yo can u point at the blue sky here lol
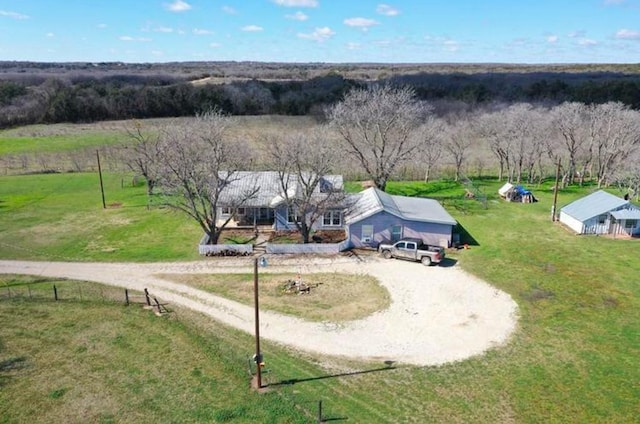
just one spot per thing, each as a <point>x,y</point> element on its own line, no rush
<point>416,31</point>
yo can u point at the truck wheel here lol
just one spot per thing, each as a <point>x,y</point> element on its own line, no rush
<point>426,261</point>
<point>386,254</point>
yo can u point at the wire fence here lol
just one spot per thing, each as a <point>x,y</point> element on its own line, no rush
<point>66,291</point>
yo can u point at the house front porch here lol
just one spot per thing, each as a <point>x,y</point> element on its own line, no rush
<point>256,218</point>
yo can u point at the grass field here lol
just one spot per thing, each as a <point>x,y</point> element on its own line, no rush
<point>332,297</point>
<point>572,359</point>
<point>103,362</point>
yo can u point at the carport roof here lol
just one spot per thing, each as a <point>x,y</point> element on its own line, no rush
<point>626,214</point>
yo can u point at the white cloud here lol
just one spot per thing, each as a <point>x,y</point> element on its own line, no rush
<point>298,16</point>
<point>385,9</point>
<point>362,23</point>
<point>576,34</point>
<point>252,28</point>
<point>296,3</point>
<point>215,45</point>
<point>587,42</point>
<point>552,39</point>
<point>163,29</point>
<point>628,34</point>
<point>353,46</point>
<point>178,6</point>
<point>50,34</point>
<point>229,10</point>
<point>139,39</point>
<point>199,31</point>
<point>451,46</point>
<point>319,34</point>
<point>157,53</point>
<point>102,26</point>
<point>13,15</point>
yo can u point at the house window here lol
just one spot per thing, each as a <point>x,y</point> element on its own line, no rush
<point>226,210</point>
<point>367,233</point>
<point>292,215</point>
<point>241,211</point>
<point>332,219</point>
<point>396,232</point>
<point>602,219</point>
<point>630,223</point>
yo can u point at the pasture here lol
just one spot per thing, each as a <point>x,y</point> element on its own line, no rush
<point>572,359</point>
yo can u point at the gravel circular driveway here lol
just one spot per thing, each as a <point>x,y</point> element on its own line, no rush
<point>437,314</point>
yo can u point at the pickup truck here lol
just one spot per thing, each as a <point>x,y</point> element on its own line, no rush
<point>413,250</point>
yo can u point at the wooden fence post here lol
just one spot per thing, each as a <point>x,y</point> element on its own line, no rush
<point>157,305</point>
<point>146,294</point>
<point>55,292</point>
<point>320,419</point>
<point>126,296</point>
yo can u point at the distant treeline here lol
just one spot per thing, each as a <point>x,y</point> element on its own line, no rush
<point>29,98</point>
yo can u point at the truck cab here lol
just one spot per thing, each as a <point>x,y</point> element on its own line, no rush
<point>412,250</point>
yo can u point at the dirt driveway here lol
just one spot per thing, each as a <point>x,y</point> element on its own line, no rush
<point>437,314</point>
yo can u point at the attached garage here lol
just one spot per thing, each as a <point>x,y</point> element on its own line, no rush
<point>376,216</point>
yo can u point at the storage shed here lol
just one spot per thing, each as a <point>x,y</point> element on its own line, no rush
<point>601,213</point>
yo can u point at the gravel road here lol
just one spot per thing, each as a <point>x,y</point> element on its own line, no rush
<point>437,314</point>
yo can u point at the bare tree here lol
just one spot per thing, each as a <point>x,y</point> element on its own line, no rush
<point>197,163</point>
<point>526,131</point>
<point>376,127</point>
<point>614,132</point>
<point>431,151</point>
<point>303,162</point>
<point>490,127</point>
<point>457,141</point>
<point>143,156</point>
<point>627,176</point>
<point>570,121</point>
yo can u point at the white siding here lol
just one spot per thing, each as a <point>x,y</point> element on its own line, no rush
<point>571,222</point>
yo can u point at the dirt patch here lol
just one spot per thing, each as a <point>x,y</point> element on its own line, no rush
<point>436,315</point>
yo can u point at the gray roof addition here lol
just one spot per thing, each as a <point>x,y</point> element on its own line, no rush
<point>595,204</point>
<point>373,200</point>
<point>626,214</point>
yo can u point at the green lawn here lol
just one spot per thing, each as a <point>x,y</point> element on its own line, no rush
<point>572,359</point>
<point>103,362</point>
<point>60,217</point>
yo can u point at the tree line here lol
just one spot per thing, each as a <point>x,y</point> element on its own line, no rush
<point>379,130</point>
<point>29,99</point>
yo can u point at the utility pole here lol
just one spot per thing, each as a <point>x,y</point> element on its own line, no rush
<point>104,205</point>
<point>258,356</point>
<point>555,193</point>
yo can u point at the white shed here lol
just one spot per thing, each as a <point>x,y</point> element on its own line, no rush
<point>601,213</point>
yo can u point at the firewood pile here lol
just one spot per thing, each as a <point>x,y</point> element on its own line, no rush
<point>228,252</point>
<point>297,287</point>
